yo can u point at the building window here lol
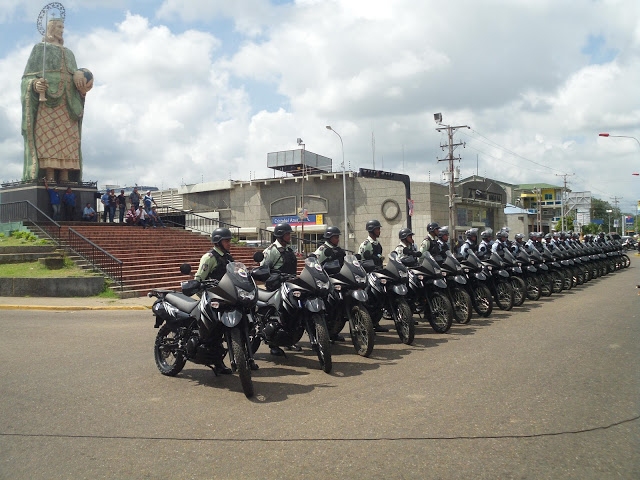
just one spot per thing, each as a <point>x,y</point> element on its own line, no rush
<point>548,196</point>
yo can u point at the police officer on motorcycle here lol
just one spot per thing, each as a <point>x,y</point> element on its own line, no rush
<point>443,241</point>
<point>281,259</point>
<point>470,243</point>
<point>430,242</point>
<point>371,244</point>
<point>518,243</point>
<point>499,245</point>
<point>213,265</point>
<point>485,245</point>
<point>406,241</point>
<point>331,240</point>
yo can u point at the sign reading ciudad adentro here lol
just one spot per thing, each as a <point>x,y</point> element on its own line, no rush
<point>295,220</point>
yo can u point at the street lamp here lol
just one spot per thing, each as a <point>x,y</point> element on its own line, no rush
<point>301,213</point>
<point>344,188</point>
<point>619,136</point>
<point>609,212</point>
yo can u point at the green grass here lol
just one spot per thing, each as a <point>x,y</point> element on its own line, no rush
<point>17,239</point>
<point>37,270</point>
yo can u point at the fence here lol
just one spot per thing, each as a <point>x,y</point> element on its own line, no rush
<point>100,259</point>
<point>27,212</point>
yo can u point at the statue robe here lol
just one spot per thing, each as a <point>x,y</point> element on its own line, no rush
<point>52,129</point>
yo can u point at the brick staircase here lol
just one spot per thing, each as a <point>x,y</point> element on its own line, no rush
<point>152,257</point>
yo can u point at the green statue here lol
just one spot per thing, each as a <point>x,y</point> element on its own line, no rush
<point>52,109</point>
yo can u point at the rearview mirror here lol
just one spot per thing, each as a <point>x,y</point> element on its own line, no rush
<point>185,268</point>
<point>258,257</point>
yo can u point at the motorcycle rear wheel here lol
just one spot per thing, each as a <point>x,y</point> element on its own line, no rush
<point>241,358</point>
<point>533,288</point>
<point>169,360</point>
<point>403,319</point>
<point>546,284</point>
<point>557,281</point>
<point>462,308</point>
<point>323,345</point>
<point>362,333</point>
<point>504,295</point>
<point>441,317</point>
<point>483,301</point>
<point>519,291</point>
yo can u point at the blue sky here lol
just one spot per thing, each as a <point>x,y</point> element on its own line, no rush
<point>205,89</point>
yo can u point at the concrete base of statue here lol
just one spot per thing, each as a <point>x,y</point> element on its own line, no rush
<point>36,193</point>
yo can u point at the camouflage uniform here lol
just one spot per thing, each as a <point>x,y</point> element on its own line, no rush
<point>373,246</point>
<point>213,264</point>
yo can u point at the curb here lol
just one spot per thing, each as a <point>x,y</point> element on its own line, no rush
<point>68,308</point>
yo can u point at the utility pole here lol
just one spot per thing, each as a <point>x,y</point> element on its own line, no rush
<point>564,190</point>
<point>616,200</point>
<point>450,158</point>
<point>539,209</point>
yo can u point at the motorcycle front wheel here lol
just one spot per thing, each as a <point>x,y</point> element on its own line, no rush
<point>323,345</point>
<point>462,308</point>
<point>504,295</point>
<point>403,319</point>
<point>441,317</point>
<point>546,285</point>
<point>483,303</point>
<point>362,333</point>
<point>557,281</point>
<point>533,288</point>
<point>169,359</point>
<point>241,359</point>
<point>519,291</point>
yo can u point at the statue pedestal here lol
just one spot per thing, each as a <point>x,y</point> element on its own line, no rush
<point>36,193</point>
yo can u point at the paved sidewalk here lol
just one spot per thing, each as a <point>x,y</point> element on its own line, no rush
<point>75,303</point>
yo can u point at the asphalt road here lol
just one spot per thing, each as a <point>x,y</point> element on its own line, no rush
<point>549,390</point>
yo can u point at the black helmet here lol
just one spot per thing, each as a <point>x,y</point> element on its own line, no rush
<point>547,236</point>
<point>486,234</point>
<point>220,234</point>
<point>443,231</point>
<point>404,233</point>
<point>331,232</point>
<point>472,232</point>
<point>518,236</point>
<point>432,227</point>
<point>501,234</point>
<point>281,229</point>
<point>372,225</point>
<point>533,234</point>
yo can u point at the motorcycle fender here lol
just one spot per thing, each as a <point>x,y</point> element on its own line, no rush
<point>517,269</point>
<point>460,279</point>
<point>360,295</point>
<point>231,318</point>
<point>481,276</point>
<point>531,269</point>
<point>543,267</point>
<point>564,262</point>
<point>400,289</point>
<point>503,273</point>
<point>439,282</point>
<point>314,305</point>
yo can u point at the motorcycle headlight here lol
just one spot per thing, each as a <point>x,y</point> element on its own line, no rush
<point>402,274</point>
<point>245,295</point>
<point>420,277</point>
<point>359,279</point>
<point>322,285</point>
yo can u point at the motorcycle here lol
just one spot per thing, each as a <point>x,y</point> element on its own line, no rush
<point>386,290</point>
<point>192,330</point>
<point>298,305</point>
<point>346,302</point>
<point>479,291</point>
<point>427,293</point>
<point>498,281</point>
<point>515,276</point>
<point>456,287</point>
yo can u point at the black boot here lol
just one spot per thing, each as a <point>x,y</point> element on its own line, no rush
<point>277,352</point>
<point>221,369</point>
<point>378,328</point>
<point>337,338</point>
<point>295,348</point>
<point>253,365</point>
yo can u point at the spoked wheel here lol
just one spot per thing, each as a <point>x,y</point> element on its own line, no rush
<point>403,318</point>
<point>482,300</point>
<point>626,261</point>
<point>546,285</point>
<point>169,359</point>
<point>323,345</point>
<point>519,291</point>
<point>462,307</point>
<point>362,333</point>
<point>567,282</point>
<point>336,326</point>
<point>254,340</point>
<point>557,281</point>
<point>504,295</point>
<point>241,362</point>
<point>441,316</point>
<point>533,288</point>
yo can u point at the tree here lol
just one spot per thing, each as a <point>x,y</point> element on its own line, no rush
<point>568,224</point>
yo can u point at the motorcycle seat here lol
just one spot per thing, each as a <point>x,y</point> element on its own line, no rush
<point>182,302</point>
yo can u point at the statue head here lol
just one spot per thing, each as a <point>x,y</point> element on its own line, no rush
<point>55,31</point>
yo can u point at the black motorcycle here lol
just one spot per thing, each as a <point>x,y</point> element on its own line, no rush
<point>515,276</point>
<point>387,289</point>
<point>498,281</point>
<point>477,283</point>
<point>282,316</point>
<point>346,302</point>
<point>456,279</point>
<point>192,329</point>
<point>427,293</point>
